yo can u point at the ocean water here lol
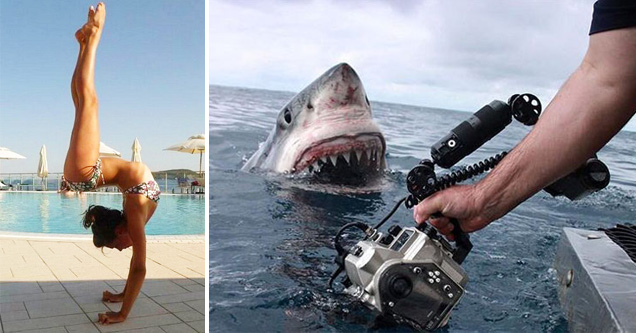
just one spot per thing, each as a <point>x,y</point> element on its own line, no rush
<point>50,212</point>
<point>271,238</point>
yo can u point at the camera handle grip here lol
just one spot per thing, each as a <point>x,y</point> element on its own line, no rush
<point>462,240</point>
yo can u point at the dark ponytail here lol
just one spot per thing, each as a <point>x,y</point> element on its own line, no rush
<point>103,222</point>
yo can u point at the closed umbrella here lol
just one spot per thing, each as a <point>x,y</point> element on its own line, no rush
<point>194,144</point>
<point>43,167</point>
<point>136,151</point>
<point>106,151</point>
<point>7,154</point>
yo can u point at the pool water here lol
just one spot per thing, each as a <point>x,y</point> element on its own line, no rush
<point>50,212</point>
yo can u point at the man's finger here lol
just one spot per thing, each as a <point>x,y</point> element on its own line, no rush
<point>427,207</point>
<point>439,222</point>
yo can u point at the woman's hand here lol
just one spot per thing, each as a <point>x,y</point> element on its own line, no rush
<point>107,296</point>
<point>111,318</point>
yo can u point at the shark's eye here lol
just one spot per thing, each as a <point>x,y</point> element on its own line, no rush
<point>288,116</point>
<point>309,106</point>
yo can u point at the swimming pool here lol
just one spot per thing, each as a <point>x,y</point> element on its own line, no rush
<point>50,212</point>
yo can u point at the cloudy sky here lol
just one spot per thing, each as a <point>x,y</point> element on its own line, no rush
<point>449,54</point>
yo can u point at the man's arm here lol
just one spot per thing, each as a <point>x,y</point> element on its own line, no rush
<point>589,109</point>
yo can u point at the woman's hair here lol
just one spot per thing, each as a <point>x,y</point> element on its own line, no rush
<point>103,222</point>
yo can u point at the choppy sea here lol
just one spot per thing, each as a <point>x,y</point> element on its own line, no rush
<point>271,239</point>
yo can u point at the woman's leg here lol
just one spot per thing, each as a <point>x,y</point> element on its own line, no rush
<point>83,150</point>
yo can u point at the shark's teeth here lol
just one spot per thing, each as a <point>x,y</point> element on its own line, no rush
<point>333,159</point>
<point>323,159</point>
<point>358,155</point>
<point>347,157</point>
<point>369,154</point>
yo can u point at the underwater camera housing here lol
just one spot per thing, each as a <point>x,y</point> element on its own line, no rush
<point>413,274</point>
<point>408,274</point>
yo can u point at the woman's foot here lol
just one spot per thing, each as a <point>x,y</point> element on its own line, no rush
<point>92,29</point>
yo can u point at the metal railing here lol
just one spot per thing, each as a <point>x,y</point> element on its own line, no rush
<point>31,182</point>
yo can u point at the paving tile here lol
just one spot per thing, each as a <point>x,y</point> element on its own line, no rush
<point>162,287</point>
<point>19,288</point>
<point>14,315</point>
<point>141,308</point>
<point>200,281</point>
<point>146,330</point>
<point>198,305</point>
<point>140,322</point>
<point>116,283</point>
<point>177,307</point>
<point>33,297</point>
<point>178,328</point>
<point>185,297</point>
<point>185,282</point>
<point>47,330</point>
<point>86,288</point>
<point>188,316</point>
<point>9,307</point>
<point>198,326</point>
<point>59,285</point>
<point>82,328</point>
<point>6,274</point>
<point>49,286</point>
<point>42,323</point>
<point>91,303</point>
<point>52,307</point>
<point>195,287</point>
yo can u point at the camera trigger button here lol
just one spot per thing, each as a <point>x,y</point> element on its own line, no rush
<point>386,240</point>
<point>395,230</point>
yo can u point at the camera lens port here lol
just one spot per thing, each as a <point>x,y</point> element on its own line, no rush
<point>400,286</point>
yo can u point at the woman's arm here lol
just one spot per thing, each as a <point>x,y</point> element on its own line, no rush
<point>107,296</point>
<point>591,107</point>
<point>136,221</point>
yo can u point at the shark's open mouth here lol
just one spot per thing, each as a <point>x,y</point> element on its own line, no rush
<point>350,158</point>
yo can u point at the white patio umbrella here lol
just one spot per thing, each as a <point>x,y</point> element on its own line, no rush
<point>194,144</point>
<point>136,151</point>
<point>43,167</point>
<point>106,151</point>
<point>7,154</point>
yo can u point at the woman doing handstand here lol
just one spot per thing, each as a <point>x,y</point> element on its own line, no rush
<point>84,170</point>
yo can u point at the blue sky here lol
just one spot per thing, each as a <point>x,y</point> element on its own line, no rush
<point>458,54</point>
<point>150,78</point>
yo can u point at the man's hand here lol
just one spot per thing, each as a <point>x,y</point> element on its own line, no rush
<point>461,202</point>
<point>107,296</point>
<point>111,318</point>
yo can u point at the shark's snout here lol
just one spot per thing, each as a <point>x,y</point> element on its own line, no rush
<point>343,86</point>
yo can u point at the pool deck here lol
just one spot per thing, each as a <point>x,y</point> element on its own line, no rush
<point>54,283</point>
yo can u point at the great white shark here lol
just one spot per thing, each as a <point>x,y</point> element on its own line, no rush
<point>327,132</point>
